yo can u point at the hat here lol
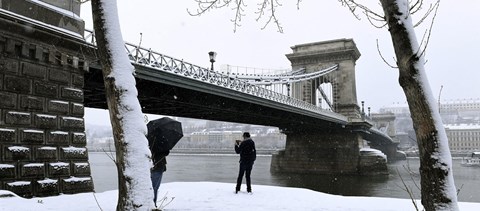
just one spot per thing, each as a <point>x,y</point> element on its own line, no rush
<point>246,135</point>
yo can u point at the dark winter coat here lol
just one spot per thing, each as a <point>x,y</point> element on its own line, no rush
<point>247,150</point>
<point>159,161</point>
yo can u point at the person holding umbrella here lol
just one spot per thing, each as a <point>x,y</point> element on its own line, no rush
<point>156,172</point>
<point>162,136</point>
<point>248,154</point>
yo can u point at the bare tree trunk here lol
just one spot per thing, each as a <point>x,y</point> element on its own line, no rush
<point>437,186</point>
<point>134,193</point>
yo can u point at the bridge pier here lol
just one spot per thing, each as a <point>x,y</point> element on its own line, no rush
<point>386,122</point>
<point>326,152</point>
<point>390,150</point>
<point>318,153</point>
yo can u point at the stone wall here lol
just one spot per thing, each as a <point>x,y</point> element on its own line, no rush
<point>42,138</point>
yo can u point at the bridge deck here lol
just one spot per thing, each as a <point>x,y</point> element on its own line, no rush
<point>170,94</point>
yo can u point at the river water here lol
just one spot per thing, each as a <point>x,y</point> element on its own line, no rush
<point>224,168</point>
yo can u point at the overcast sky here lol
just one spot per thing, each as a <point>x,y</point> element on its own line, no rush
<point>452,55</point>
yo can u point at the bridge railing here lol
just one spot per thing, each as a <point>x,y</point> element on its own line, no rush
<point>149,58</point>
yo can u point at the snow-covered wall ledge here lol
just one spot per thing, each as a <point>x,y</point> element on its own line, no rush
<point>56,14</point>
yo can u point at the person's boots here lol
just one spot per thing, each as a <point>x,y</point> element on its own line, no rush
<point>237,189</point>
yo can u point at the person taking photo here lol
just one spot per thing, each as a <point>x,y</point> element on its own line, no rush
<point>248,154</point>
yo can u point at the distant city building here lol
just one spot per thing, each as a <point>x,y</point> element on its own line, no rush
<point>215,136</point>
<point>466,106</point>
<point>269,139</point>
<point>463,137</point>
<point>209,139</point>
<point>460,105</point>
<point>199,134</point>
<point>461,119</point>
<point>101,144</point>
<point>396,108</point>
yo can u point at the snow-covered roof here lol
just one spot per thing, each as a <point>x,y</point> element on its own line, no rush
<point>462,126</point>
<point>375,152</point>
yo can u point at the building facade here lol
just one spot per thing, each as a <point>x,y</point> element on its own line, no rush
<point>463,137</point>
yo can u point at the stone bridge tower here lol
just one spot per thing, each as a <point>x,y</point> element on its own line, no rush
<point>314,56</point>
<point>42,133</point>
<point>385,122</point>
<point>327,150</point>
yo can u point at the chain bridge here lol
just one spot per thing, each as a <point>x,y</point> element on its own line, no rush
<point>49,72</point>
<point>174,87</point>
<point>295,101</point>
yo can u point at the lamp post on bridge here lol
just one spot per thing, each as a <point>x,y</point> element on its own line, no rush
<point>362,112</point>
<point>212,55</point>
<point>363,104</point>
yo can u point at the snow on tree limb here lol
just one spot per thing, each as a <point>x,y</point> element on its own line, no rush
<point>133,164</point>
<point>438,188</point>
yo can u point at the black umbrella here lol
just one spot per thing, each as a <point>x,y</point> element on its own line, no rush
<point>163,134</point>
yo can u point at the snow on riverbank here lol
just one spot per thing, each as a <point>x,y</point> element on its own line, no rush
<point>220,196</point>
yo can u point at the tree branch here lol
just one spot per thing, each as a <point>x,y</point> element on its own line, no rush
<point>265,7</point>
<point>352,6</point>
<point>429,31</point>
<point>408,190</point>
<point>298,4</point>
<point>416,7</point>
<point>370,18</point>
<point>238,13</point>
<point>433,7</point>
<point>271,5</point>
<point>384,60</point>
<point>206,5</point>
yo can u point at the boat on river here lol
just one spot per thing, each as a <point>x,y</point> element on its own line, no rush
<point>472,161</point>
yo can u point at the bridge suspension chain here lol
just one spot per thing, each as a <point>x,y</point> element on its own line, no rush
<point>288,79</point>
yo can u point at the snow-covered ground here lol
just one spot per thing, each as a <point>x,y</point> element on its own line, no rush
<point>220,196</point>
